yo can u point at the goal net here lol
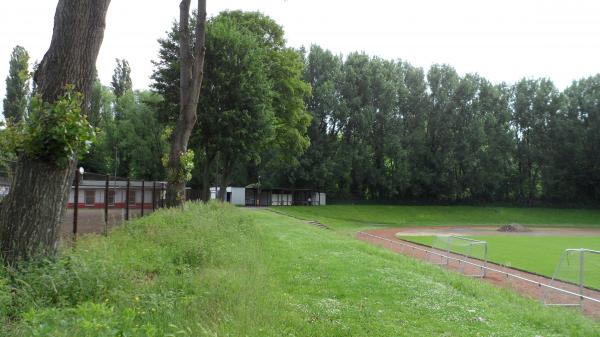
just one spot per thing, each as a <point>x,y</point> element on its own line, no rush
<point>469,255</point>
<point>577,270</point>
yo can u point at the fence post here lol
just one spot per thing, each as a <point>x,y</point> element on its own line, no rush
<point>106,204</point>
<point>127,201</point>
<point>162,191</point>
<point>76,204</point>
<point>143,192</point>
<point>153,195</point>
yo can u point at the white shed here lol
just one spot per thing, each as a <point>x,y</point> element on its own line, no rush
<point>235,195</point>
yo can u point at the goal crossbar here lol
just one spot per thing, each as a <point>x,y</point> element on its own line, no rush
<point>461,241</point>
<point>581,277</point>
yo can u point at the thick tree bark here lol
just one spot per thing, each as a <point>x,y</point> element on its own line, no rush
<point>31,216</point>
<point>191,73</point>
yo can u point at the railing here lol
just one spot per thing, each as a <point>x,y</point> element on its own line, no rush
<point>580,295</point>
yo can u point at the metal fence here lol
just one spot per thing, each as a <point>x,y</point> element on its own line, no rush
<point>98,202</point>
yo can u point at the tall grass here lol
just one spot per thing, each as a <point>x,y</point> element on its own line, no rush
<point>147,278</point>
<point>214,270</point>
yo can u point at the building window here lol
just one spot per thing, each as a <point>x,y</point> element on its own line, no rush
<point>90,198</point>
<point>111,198</point>
<point>132,197</point>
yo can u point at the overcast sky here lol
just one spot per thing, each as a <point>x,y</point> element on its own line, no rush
<point>503,40</point>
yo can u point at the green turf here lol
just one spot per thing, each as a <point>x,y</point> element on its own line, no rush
<point>538,254</point>
<point>221,271</point>
<point>355,217</point>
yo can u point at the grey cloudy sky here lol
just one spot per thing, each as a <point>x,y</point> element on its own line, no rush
<point>501,40</point>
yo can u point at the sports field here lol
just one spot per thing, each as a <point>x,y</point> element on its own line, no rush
<point>538,254</point>
<point>553,231</point>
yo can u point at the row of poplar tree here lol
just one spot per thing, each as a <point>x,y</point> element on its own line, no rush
<point>388,130</point>
<point>356,127</point>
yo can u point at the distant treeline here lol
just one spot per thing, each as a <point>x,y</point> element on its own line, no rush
<point>380,129</point>
<point>388,130</point>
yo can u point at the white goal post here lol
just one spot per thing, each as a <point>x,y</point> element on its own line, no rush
<point>472,252</point>
<point>572,267</point>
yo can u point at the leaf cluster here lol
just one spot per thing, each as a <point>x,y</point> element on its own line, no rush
<point>54,132</point>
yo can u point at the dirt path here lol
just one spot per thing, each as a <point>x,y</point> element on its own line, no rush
<point>387,239</point>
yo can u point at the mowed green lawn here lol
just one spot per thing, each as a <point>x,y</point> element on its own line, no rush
<point>539,254</point>
<point>359,217</point>
<point>220,271</point>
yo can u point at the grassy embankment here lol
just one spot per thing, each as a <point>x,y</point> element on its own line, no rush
<point>216,270</point>
<point>352,218</point>
<point>539,254</point>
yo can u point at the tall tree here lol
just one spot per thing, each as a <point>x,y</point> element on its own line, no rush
<point>317,165</point>
<point>278,91</point>
<point>100,116</point>
<point>121,79</point>
<point>285,71</point>
<point>191,59</point>
<point>236,114</point>
<point>32,214</point>
<point>17,86</point>
<point>578,158</point>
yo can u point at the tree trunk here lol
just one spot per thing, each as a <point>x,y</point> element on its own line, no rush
<point>206,178</point>
<point>191,73</point>
<point>31,216</point>
<point>226,173</point>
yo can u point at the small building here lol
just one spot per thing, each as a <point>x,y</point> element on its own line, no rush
<point>92,194</point>
<point>234,195</point>
<point>253,196</point>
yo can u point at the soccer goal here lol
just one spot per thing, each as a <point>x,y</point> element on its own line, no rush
<point>578,267</point>
<point>467,253</point>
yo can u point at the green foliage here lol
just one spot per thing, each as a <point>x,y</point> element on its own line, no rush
<point>251,110</point>
<point>53,132</point>
<point>121,79</point>
<point>186,166</point>
<point>17,86</point>
<point>385,130</point>
<point>137,136</point>
<point>235,112</point>
<point>129,142</point>
<point>7,147</point>
<point>285,69</point>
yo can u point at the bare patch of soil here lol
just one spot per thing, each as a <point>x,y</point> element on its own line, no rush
<point>514,228</point>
